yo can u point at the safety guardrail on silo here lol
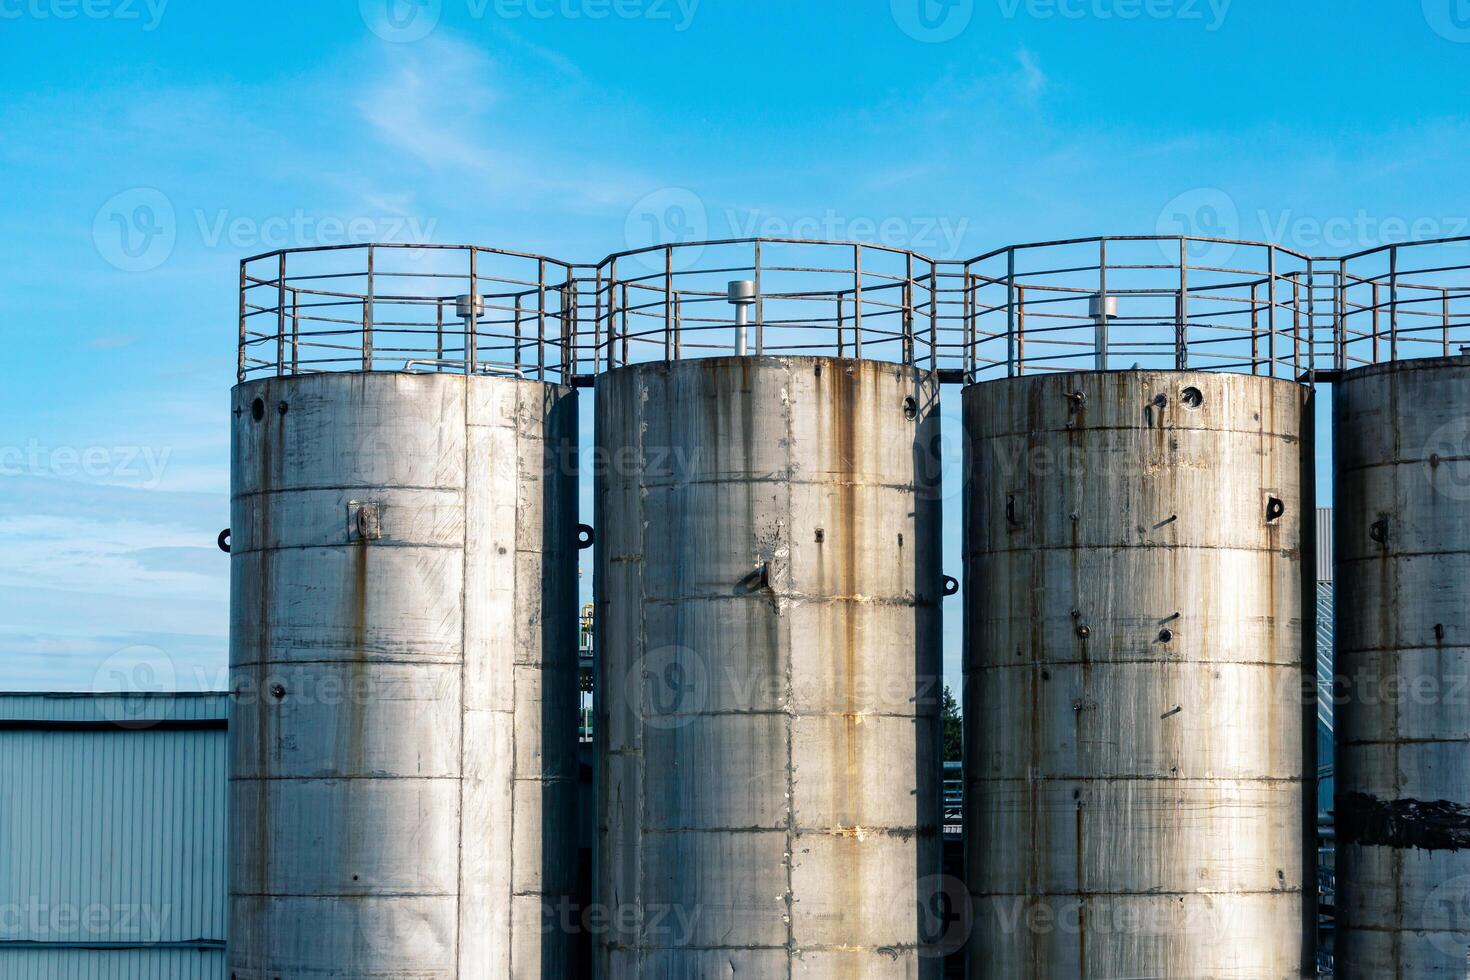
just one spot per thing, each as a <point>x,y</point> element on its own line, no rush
<point>772,296</point>
<point>1404,301</point>
<point>1109,302</point>
<point>1176,303</point>
<point>451,308</point>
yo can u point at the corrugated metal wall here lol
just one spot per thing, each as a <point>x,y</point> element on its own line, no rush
<point>1324,544</point>
<point>112,834</point>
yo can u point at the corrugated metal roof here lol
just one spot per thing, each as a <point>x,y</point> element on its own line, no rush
<point>112,834</point>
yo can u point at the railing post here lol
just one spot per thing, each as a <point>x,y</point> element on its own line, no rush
<point>1446,301</point>
<point>1296,327</point>
<point>1271,309</point>
<point>295,331</point>
<point>1393,303</point>
<point>1011,352</point>
<point>515,360</point>
<point>841,328</point>
<point>970,329</point>
<point>1102,342</point>
<point>540,319</point>
<point>240,354</point>
<point>1181,310</point>
<point>857,301</point>
<point>626,329</point>
<point>281,316</point>
<point>1255,328</point>
<point>760,304</point>
<point>1339,319</point>
<point>439,334</point>
<point>367,316</point>
<point>1020,331</point>
<point>472,322</point>
<point>908,310</point>
<point>669,304</point>
<point>612,315</point>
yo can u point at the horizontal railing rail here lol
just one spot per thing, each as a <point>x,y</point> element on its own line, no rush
<point>1100,303</point>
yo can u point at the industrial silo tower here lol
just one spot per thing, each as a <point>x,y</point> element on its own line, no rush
<point>768,590</point>
<point>1139,717</point>
<point>403,615</point>
<point>1401,413</point>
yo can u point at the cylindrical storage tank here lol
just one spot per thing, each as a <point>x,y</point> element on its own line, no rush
<point>1139,754</point>
<point>403,659</point>
<point>1402,564</point>
<point>768,657</point>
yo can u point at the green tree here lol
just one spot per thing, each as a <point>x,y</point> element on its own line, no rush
<point>954,729</point>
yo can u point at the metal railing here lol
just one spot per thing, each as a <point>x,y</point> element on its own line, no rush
<point>380,307</point>
<point>842,299</point>
<point>1403,301</point>
<point>1172,303</point>
<point>1104,303</point>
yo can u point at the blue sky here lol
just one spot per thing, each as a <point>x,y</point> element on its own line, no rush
<point>555,126</point>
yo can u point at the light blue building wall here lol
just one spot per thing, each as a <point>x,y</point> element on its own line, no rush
<point>112,837</point>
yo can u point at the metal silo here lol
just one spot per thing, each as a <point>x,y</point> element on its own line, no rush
<point>1139,752</point>
<point>1402,470</point>
<point>403,619</point>
<point>768,592</point>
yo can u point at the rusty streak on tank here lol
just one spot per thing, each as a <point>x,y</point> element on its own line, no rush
<point>769,668</point>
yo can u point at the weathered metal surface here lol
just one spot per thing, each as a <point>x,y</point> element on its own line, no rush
<point>1139,754</point>
<point>769,668</point>
<point>1403,670</point>
<point>403,662</point>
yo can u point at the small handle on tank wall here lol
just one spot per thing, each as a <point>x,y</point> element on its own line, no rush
<point>223,541</point>
<point>585,536</point>
<point>1275,509</point>
<point>951,585</point>
<point>1379,531</point>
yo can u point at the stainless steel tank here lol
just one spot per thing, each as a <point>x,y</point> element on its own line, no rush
<point>768,657</point>
<point>1402,540</point>
<point>403,658</point>
<point>1139,725</point>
